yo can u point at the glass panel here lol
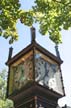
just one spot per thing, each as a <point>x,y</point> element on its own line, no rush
<point>21,72</point>
<point>47,72</point>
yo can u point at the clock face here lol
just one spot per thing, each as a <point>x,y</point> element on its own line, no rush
<point>48,74</point>
<point>43,71</point>
<point>23,72</point>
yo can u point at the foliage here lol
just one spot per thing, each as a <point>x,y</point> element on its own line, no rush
<point>8,19</point>
<point>52,15</point>
<point>4,103</point>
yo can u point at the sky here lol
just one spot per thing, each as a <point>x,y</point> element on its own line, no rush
<point>24,40</point>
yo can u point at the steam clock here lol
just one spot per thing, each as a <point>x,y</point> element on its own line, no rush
<point>34,77</point>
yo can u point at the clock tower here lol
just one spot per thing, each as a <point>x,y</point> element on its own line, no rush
<point>34,77</point>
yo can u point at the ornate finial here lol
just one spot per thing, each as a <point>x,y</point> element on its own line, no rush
<point>32,34</point>
<point>57,51</point>
<point>10,53</point>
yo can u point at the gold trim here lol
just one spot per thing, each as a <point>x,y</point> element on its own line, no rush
<point>22,59</point>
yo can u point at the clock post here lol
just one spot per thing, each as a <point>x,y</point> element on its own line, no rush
<point>34,77</point>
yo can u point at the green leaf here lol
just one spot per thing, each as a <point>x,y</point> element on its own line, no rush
<point>52,15</point>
